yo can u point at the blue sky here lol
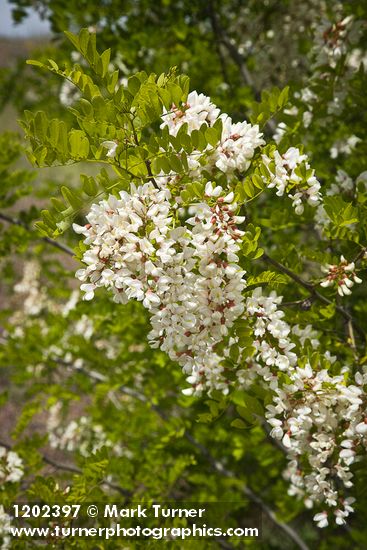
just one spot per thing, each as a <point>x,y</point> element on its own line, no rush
<point>29,27</point>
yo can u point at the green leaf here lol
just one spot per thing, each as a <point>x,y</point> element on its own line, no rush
<point>71,197</point>
<point>84,36</point>
<point>35,63</point>
<point>267,278</point>
<point>212,136</point>
<point>134,85</point>
<point>73,39</point>
<point>89,185</point>
<point>53,64</point>
<point>239,424</point>
<point>105,58</point>
<point>79,144</point>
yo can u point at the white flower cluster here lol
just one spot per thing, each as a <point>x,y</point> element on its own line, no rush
<point>196,111</point>
<point>272,343</point>
<point>344,146</point>
<point>188,277</point>
<point>187,273</point>
<point>11,466</point>
<point>322,220</point>
<point>236,145</point>
<point>5,525</point>
<point>204,294</point>
<point>331,41</point>
<point>69,94</point>
<point>319,418</point>
<point>306,333</point>
<point>30,285</point>
<point>82,434</point>
<point>283,176</point>
<point>321,422</point>
<point>121,233</point>
<point>343,184</point>
<point>342,275</point>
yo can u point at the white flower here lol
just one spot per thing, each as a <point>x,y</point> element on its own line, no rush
<point>237,145</point>
<point>111,147</point>
<point>342,275</point>
<point>307,118</point>
<point>151,299</point>
<point>68,94</point>
<point>283,177</point>
<point>287,441</point>
<point>361,428</point>
<point>89,291</point>
<point>197,110</point>
<point>344,146</point>
<point>211,191</point>
<point>11,466</point>
<point>293,158</point>
<point>321,519</point>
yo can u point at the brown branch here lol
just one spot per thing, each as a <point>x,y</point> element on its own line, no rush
<point>47,240</point>
<point>286,271</point>
<point>360,255</point>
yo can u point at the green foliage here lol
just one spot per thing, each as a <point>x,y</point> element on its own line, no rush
<point>342,215</point>
<point>272,102</point>
<point>147,450</point>
<point>14,182</point>
<point>107,111</point>
<point>267,278</point>
<point>250,246</point>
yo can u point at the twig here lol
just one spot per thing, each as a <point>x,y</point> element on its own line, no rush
<point>147,161</point>
<point>47,240</point>
<point>360,254</point>
<point>304,304</point>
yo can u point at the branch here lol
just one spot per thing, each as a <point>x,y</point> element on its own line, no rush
<point>215,464</point>
<point>218,467</point>
<point>240,61</point>
<point>314,293</point>
<point>362,253</point>
<point>291,274</point>
<point>147,161</point>
<point>47,240</point>
<point>71,468</point>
